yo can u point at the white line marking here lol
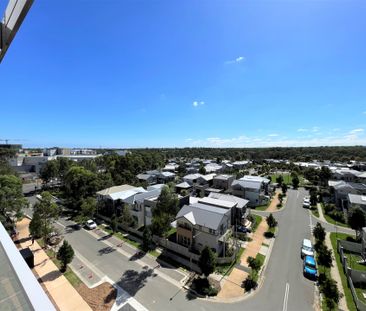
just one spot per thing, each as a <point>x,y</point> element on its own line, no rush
<point>285,299</point>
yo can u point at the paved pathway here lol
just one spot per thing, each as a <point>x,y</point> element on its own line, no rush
<point>342,305</point>
<point>273,206</point>
<point>57,285</point>
<point>232,285</point>
<point>320,210</point>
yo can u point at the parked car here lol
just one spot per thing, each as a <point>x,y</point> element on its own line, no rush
<point>90,224</point>
<point>306,202</point>
<point>243,229</point>
<point>307,248</point>
<point>309,268</point>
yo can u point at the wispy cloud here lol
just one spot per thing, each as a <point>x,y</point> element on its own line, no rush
<point>355,131</point>
<point>350,138</point>
<point>197,103</point>
<point>302,130</point>
<point>237,60</point>
<point>364,112</point>
<point>313,129</point>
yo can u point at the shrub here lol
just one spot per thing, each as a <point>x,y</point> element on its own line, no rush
<point>268,234</point>
<point>251,282</point>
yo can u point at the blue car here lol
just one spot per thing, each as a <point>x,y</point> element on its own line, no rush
<point>310,270</point>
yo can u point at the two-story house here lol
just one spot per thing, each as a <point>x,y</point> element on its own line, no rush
<point>223,181</point>
<point>199,225</point>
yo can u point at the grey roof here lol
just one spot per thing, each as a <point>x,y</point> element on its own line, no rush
<point>223,177</point>
<point>246,184</point>
<point>357,199</point>
<point>203,215</point>
<point>232,198</point>
<point>255,179</point>
<point>144,176</point>
<point>342,184</point>
<point>183,185</point>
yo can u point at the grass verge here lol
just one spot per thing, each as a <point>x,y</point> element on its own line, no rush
<point>332,221</point>
<point>226,269</point>
<point>257,220</point>
<point>347,291</point>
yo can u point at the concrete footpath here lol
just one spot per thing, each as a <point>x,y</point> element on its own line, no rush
<point>57,286</point>
<point>334,272</point>
<point>232,286</point>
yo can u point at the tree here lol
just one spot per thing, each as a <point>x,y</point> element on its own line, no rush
<point>254,263</point>
<point>146,238</point>
<point>12,200</point>
<point>280,197</point>
<point>330,291</point>
<point>313,199</point>
<point>279,179</point>
<point>126,218</point>
<point>324,256</point>
<point>319,232</point>
<point>271,221</point>
<point>50,170</point>
<point>48,212</point>
<point>65,254</point>
<point>35,226</point>
<point>207,261</point>
<point>284,188</point>
<point>88,208</point>
<point>164,212</point>
<point>356,220</point>
<point>114,223</point>
<point>295,181</point>
<point>202,170</point>
<point>79,183</point>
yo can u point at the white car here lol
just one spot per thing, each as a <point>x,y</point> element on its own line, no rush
<point>306,202</point>
<point>90,224</point>
<point>307,248</point>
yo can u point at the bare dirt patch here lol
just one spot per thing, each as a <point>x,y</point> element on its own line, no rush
<point>100,298</point>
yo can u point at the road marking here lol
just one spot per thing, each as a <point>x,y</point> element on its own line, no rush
<point>311,223</point>
<point>285,299</point>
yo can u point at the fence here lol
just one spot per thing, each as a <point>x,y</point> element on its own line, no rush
<point>353,276</point>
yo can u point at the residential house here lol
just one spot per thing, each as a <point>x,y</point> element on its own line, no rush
<point>346,174</point>
<point>223,181</point>
<point>341,189</point>
<point>200,225</point>
<point>253,188</point>
<point>357,201</point>
<point>150,179</point>
<point>183,186</point>
<point>240,164</point>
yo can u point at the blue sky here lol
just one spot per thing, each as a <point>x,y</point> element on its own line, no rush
<point>186,73</point>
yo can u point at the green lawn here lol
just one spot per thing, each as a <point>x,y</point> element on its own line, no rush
<point>359,292</point>
<point>314,211</point>
<point>287,179</point>
<point>69,274</point>
<point>353,260</point>
<point>347,291</point>
<point>261,258</point>
<point>226,269</point>
<point>262,207</point>
<point>332,221</point>
<point>258,220</point>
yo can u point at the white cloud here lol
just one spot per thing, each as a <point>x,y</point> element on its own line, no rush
<point>347,139</point>
<point>237,60</point>
<point>197,103</point>
<point>302,130</point>
<point>273,135</point>
<point>355,131</point>
<point>364,112</point>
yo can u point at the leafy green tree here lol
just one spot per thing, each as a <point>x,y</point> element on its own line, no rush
<point>126,218</point>
<point>356,220</point>
<point>207,261</point>
<point>319,232</point>
<point>164,212</point>
<point>146,238</point>
<point>50,170</point>
<point>284,189</point>
<point>295,181</point>
<point>279,179</point>
<point>35,226</point>
<point>48,212</point>
<point>251,282</point>
<point>254,263</point>
<point>324,255</point>
<point>280,198</point>
<point>330,290</point>
<point>12,200</point>
<point>202,170</point>
<point>88,207</point>
<point>271,221</point>
<point>65,254</point>
<point>313,199</point>
<point>114,223</point>
<point>79,183</point>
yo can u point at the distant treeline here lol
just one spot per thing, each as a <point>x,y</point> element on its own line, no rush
<point>343,154</point>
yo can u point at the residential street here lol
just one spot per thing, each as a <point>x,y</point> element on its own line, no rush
<point>284,286</point>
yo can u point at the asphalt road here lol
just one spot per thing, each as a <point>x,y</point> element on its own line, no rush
<point>284,286</point>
